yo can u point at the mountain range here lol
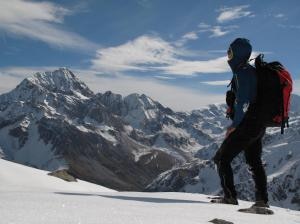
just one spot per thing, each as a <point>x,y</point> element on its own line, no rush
<point>52,121</point>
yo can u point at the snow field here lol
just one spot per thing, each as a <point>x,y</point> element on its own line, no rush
<point>28,195</point>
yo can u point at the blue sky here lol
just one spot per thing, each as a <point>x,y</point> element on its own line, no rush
<point>174,51</point>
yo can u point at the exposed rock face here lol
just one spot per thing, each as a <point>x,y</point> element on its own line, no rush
<point>63,174</point>
<point>220,221</point>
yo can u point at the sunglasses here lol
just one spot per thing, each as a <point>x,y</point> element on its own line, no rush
<point>229,53</point>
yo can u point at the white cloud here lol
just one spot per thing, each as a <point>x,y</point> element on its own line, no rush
<point>216,31</point>
<point>141,54</point>
<point>232,13</point>
<point>217,83</point>
<point>296,86</point>
<point>203,25</point>
<point>177,98</point>
<point>40,21</point>
<point>8,83</point>
<point>279,15</point>
<point>187,37</point>
<point>182,67</point>
<point>161,77</point>
<point>190,36</point>
<point>149,53</point>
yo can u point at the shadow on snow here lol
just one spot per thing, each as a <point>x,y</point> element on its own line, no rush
<point>130,198</point>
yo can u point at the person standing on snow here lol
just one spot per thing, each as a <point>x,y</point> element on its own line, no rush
<point>246,131</point>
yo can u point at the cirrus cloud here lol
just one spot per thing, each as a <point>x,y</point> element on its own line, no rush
<point>216,31</point>
<point>40,21</point>
<point>151,53</point>
<point>232,13</point>
<point>217,83</point>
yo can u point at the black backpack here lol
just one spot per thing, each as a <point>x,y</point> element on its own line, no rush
<point>274,87</point>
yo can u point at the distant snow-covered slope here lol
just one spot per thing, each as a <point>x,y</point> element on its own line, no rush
<point>15,177</point>
<point>30,196</point>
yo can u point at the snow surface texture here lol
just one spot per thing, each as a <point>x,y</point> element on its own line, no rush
<point>30,196</point>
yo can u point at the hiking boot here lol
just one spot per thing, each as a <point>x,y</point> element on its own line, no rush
<point>223,200</point>
<point>261,204</point>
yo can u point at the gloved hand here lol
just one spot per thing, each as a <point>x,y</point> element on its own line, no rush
<point>230,99</point>
<point>229,131</point>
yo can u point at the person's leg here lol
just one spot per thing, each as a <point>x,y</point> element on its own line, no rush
<point>253,158</point>
<point>230,148</point>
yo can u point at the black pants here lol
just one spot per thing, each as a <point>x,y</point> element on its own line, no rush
<point>248,138</point>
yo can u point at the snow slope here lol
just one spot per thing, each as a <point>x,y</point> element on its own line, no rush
<point>16,177</point>
<point>28,195</point>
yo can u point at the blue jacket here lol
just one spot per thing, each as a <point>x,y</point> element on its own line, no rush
<point>244,78</point>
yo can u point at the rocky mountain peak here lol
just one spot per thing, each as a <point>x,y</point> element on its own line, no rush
<point>134,101</point>
<point>110,99</point>
<point>60,81</point>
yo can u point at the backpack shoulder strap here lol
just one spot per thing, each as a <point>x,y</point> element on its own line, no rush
<point>232,84</point>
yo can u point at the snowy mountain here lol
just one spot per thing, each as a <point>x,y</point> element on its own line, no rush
<point>52,120</point>
<point>31,196</point>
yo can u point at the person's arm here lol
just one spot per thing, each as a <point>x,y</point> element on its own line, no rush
<point>242,99</point>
